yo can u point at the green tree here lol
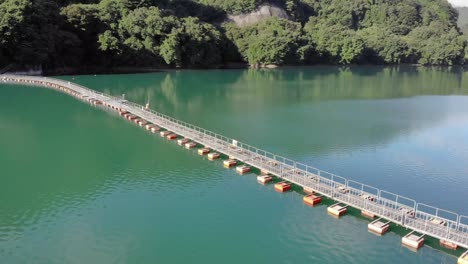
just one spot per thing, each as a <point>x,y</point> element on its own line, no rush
<point>146,28</point>
<point>352,48</point>
<point>437,43</point>
<point>84,17</point>
<point>41,39</point>
<point>59,33</point>
<point>233,6</point>
<point>383,46</point>
<point>398,16</point>
<point>12,18</point>
<point>108,42</point>
<point>334,43</point>
<point>194,43</point>
<point>272,41</point>
<point>438,10</point>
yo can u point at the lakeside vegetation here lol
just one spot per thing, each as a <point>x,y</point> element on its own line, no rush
<point>185,33</point>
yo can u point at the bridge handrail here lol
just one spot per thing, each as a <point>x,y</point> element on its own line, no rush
<point>279,158</point>
<point>299,171</point>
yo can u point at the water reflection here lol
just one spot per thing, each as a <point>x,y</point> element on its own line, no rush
<point>178,89</point>
<point>395,128</point>
<point>366,123</point>
<point>323,102</point>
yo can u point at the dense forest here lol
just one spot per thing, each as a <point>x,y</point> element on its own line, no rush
<point>76,34</point>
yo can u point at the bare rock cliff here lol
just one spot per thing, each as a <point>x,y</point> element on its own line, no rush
<point>262,12</point>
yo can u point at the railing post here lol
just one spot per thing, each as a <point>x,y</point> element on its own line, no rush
<point>391,208</point>
<point>403,216</point>
<point>448,230</point>
<point>333,187</point>
<point>396,202</point>
<point>348,194</point>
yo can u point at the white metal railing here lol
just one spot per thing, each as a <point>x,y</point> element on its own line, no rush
<point>407,212</point>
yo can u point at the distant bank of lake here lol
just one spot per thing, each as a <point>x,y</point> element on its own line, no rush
<point>80,185</point>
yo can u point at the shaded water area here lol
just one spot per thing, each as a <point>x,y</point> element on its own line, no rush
<point>80,185</point>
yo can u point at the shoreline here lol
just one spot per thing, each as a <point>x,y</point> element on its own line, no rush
<point>237,66</point>
<point>274,166</point>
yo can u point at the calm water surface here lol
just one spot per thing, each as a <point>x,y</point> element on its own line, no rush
<point>81,185</point>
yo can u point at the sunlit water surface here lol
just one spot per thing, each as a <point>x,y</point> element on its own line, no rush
<point>81,185</point>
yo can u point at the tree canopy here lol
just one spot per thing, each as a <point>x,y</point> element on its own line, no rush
<point>196,33</point>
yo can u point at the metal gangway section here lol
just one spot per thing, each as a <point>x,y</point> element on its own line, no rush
<point>425,219</point>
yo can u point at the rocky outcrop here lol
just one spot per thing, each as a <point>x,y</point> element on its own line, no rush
<point>264,66</point>
<point>262,12</point>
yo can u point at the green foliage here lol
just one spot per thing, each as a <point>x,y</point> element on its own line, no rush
<point>146,28</point>
<point>191,33</point>
<point>334,43</point>
<point>400,18</point>
<point>83,17</point>
<point>31,34</point>
<point>193,43</point>
<point>438,10</point>
<point>351,48</point>
<point>108,42</point>
<point>181,42</point>
<point>233,6</point>
<point>272,41</point>
<point>12,15</point>
<point>437,44</point>
<point>387,31</point>
<point>384,46</point>
<point>186,8</point>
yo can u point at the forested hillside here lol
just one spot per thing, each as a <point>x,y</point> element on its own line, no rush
<point>58,34</point>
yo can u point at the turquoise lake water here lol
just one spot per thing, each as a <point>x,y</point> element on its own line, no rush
<point>81,185</point>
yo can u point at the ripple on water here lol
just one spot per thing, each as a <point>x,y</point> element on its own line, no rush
<point>146,194</point>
